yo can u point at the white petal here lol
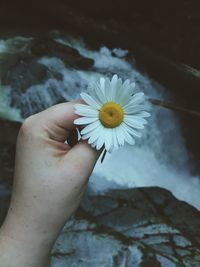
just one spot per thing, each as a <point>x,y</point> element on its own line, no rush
<point>90,127</point>
<point>125,93</point>
<point>114,87</point>
<point>108,139</point>
<point>100,142</point>
<point>107,90</point>
<point>118,90</point>
<point>102,83</point>
<point>95,90</point>
<point>93,138</point>
<point>135,101</point>
<point>132,131</point>
<point>84,120</point>
<point>85,110</point>
<point>92,89</point>
<point>93,145</point>
<point>128,138</point>
<point>100,93</point>
<point>133,109</point>
<point>132,87</point>
<point>90,101</point>
<point>135,118</point>
<point>144,114</point>
<point>83,106</point>
<point>114,137</point>
<point>94,135</point>
<point>133,122</point>
<point>120,136</point>
<point>137,98</point>
<point>86,136</point>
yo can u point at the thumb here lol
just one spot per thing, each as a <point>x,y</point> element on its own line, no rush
<point>59,123</point>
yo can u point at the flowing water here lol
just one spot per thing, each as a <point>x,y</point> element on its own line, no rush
<point>159,158</point>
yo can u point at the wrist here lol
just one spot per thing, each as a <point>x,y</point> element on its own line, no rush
<point>16,253</point>
<point>23,245</point>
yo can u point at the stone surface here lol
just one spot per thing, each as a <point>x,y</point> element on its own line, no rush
<point>33,72</point>
<point>131,227</point>
<point>21,71</point>
<point>70,56</point>
<point>8,135</point>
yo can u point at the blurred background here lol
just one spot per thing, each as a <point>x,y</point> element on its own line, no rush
<point>142,204</point>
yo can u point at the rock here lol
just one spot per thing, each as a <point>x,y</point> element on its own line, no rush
<point>4,202</point>
<point>8,136</point>
<point>22,71</point>
<point>33,82</point>
<point>40,97</point>
<point>131,227</point>
<point>9,131</point>
<point>87,244</point>
<point>70,56</point>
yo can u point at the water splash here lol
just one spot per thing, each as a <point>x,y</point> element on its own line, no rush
<point>159,158</point>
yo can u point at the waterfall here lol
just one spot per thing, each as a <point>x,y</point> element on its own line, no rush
<point>159,158</point>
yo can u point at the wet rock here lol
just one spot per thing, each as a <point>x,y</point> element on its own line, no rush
<point>32,81</point>
<point>41,96</point>
<point>87,244</point>
<point>22,71</point>
<point>135,227</point>
<point>8,136</point>
<point>70,56</point>
<point>4,202</point>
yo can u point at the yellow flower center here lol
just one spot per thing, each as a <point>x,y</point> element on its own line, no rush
<point>111,115</point>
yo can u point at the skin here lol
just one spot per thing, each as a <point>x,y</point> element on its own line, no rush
<point>49,182</point>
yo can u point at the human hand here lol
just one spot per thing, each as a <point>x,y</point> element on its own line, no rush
<point>50,179</point>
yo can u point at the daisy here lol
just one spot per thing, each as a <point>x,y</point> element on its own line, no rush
<point>113,114</point>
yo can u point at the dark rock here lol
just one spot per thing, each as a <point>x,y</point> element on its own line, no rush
<point>21,71</point>
<point>87,244</point>
<point>152,218</point>
<point>4,203</point>
<point>34,86</point>
<point>70,56</point>
<point>9,131</point>
<point>8,136</point>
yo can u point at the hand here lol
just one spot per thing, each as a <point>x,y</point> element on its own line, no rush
<point>50,179</point>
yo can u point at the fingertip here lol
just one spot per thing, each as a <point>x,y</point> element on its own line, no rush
<point>88,149</point>
<point>84,155</point>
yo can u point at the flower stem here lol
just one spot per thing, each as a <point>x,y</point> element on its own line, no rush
<point>103,155</point>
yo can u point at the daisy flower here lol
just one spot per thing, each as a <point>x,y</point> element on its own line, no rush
<point>113,114</point>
